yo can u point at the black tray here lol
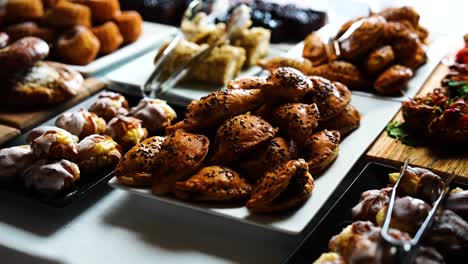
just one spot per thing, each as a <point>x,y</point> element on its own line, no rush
<point>373,176</point>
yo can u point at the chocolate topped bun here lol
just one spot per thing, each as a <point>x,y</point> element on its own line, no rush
<point>22,54</point>
<point>13,161</point>
<point>126,130</point>
<point>39,131</point>
<point>156,114</point>
<point>81,123</point>
<point>109,105</point>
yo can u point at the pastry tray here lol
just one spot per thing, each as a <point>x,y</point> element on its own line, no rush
<point>373,176</point>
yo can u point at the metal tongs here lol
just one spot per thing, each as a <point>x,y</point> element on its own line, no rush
<point>405,251</point>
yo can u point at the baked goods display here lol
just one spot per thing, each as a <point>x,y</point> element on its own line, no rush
<point>155,114</point>
<point>97,153</point>
<point>256,143</point>
<point>78,31</point>
<point>380,52</point>
<point>81,123</point>
<point>447,238</point>
<point>126,130</point>
<point>109,105</point>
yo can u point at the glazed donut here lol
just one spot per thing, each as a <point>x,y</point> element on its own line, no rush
<point>66,14</point>
<point>23,10</point>
<point>22,54</point>
<point>78,46</point>
<point>130,25</point>
<point>109,36</point>
<point>13,161</point>
<point>81,123</point>
<point>4,39</point>
<point>102,10</point>
<point>30,29</point>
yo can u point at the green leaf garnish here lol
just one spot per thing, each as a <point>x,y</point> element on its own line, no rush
<point>457,83</point>
<point>398,131</point>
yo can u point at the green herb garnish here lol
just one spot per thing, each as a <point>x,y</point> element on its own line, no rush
<point>398,131</point>
<point>457,83</point>
<point>463,91</point>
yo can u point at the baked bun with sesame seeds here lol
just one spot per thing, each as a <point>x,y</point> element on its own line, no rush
<point>287,84</point>
<point>321,149</point>
<point>345,123</point>
<point>248,83</point>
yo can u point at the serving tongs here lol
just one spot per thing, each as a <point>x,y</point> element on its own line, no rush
<point>405,251</point>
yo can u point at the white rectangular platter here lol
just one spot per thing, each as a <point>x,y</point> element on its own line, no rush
<point>151,35</point>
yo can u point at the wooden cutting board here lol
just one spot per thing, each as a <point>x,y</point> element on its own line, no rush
<point>387,150</point>
<point>26,120</point>
<point>7,133</point>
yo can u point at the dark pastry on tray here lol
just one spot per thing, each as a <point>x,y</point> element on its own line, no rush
<point>181,155</point>
<point>248,83</point>
<point>66,14</point>
<point>284,188</point>
<point>22,54</point>
<point>30,29</point>
<point>50,177</point>
<point>301,64</point>
<point>240,135</point>
<point>78,46</point>
<point>109,37</point>
<point>102,10</point>
<point>24,10</point>
<point>379,59</point>
<point>394,80</point>
<point>13,161</point>
<point>135,168</point>
<point>126,130</point>
<point>156,114</point>
<point>130,25</point>
<point>214,184</point>
<point>41,130</point>
<point>212,110</point>
<point>297,120</point>
<point>315,49</point>
<point>457,202</point>
<point>81,123</point>
<point>44,84</point>
<point>109,105</point>
<point>55,144</point>
<point>321,149</point>
<point>287,84</point>
<point>449,233</point>
<point>341,71</point>
<point>370,203</point>
<point>345,123</point>
<point>97,153</point>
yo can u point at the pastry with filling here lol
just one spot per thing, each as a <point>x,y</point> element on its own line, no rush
<point>98,153</point>
<point>13,161</point>
<point>81,123</point>
<point>55,144</point>
<point>126,130</point>
<point>109,105</point>
<point>321,149</point>
<point>156,114</point>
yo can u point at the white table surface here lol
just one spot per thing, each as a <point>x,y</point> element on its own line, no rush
<point>110,226</point>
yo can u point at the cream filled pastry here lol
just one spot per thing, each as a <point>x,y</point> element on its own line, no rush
<point>98,152</point>
<point>81,123</point>
<point>13,161</point>
<point>156,114</point>
<point>109,105</point>
<point>55,145</point>
<point>39,131</point>
<point>126,130</point>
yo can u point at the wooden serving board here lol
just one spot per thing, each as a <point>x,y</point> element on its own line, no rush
<point>387,150</point>
<point>7,133</point>
<point>28,119</point>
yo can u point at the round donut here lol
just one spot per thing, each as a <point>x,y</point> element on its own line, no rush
<point>22,54</point>
<point>78,46</point>
<point>66,14</point>
<point>130,25</point>
<point>23,10</point>
<point>109,36</point>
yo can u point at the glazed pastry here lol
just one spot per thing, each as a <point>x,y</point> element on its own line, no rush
<point>66,14</point>
<point>55,144</point>
<point>4,39</point>
<point>329,258</point>
<point>13,161</point>
<point>156,114</point>
<point>126,130</point>
<point>345,123</point>
<point>43,84</point>
<point>449,233</point>
<point>239,135</point>
<point>331,98</point>
<point>109,105</point>
<point>274,154</point>
<point>135,168</point>
<point>130,25</point>
<point>30,29</point>
<point>102,10</point>
<point>181,155</point>
<point>370,203</point>
<point>109,36</point>
<point>301,64</point>
<point>78,46</point>
<point>97,153</point>
<point>379,59</point>
<point>341,71</point>
<point>297,120</point>
<point>287,84</point>
<point>394,80</point>
<point>81,123</point>
<point>212,110</point>
<point>282,189</point>
<point>22,54</point>
<point>321,149</point>
<point>214,184</point>
<point>39,131</point>
<point>23,10</point>
<point>248,83</point>
<point>51,177</point>
<point>315,49</point>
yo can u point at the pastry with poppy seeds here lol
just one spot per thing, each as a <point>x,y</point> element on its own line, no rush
<point>321,149</point>
<point>345,123</point>
<point>297,120</point>
<point>331,97</point>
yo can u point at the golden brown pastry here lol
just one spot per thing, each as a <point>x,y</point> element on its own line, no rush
<point>345,123</point>
<point>401,13</point>
<point>22,54</point>
<point>330,258</point>
<point>321,149</point>
<point>394,80</point>
<point>41,130</point>
<point>66,14</point>
<point>78,46</point>
<point>49,177</point>
<point>55,144</point>
<point>282,189</point>
<point>341,71</point>
<point>269,157</point>
<point>109,105</point>
<point>181,155</point>
<point>301,64</point>
<point>239,135</point>
<point>286,84</point>
<point>102,10</point>
<point>109,36</point>
<point>30,29</point>
<point>130,25</point>
<point>156,114</point>
<point>379,59</point>
<point>126,130</point>
<point>331,97</point>
<point>97,153</point>
<point>214,184</point>
<point>135,168</point>
<point>405,43</point>
<point>43,84</point>
<point>81,123</point>
<point>248,83</point>
<point>24,10</point>
<point>297,120</point>
<point>13,161</point>
<point>212,110</point>
<point>50,3</point>
<point>314,49</point>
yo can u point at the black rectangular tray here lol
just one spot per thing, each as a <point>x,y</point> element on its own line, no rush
<point>373,176</point>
